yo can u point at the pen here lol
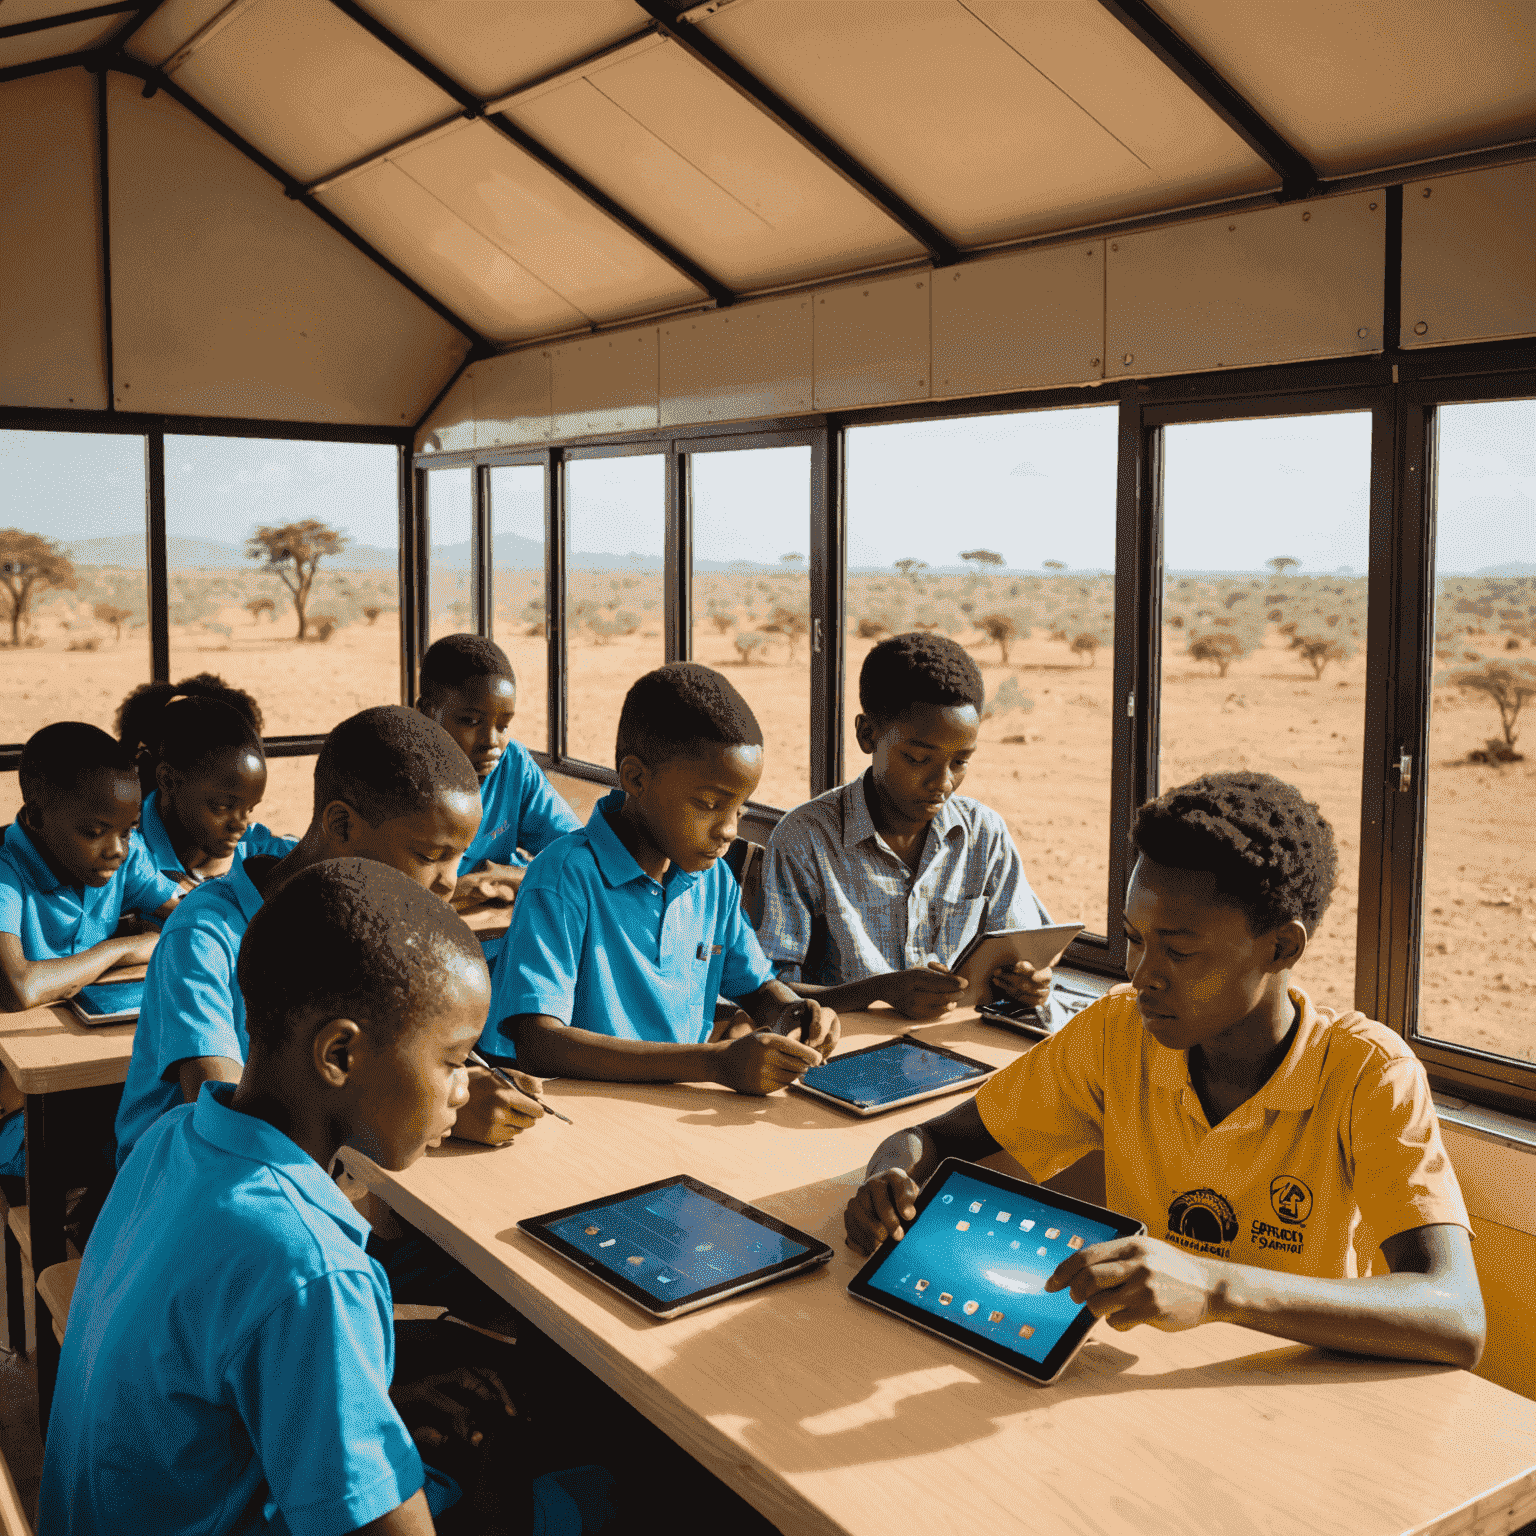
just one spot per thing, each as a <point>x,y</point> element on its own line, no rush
<point>476,1059</point>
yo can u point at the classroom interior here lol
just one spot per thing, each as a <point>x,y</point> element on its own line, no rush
<point>1177,357</point>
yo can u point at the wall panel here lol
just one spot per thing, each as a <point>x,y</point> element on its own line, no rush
<point>606,384</point>
<point>51,351</point>
<point>454,424</point>
<point>873,342</point>
<point>512,399</point>
<point>734,364</point>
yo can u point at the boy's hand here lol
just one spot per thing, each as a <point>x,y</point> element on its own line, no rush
<point>1023,983</point>
<point>924,992</point>
<point>1139,1280</point>
<point>881,1209</point>
<point>809,1022</point>
<point>496,1113</point>
<point>486,886</point>
<point>439,1410</point>
<point>733,1026</point>
<point>141,945</point>
<point>762,1063</point>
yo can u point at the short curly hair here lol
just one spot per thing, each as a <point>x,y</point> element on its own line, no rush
<point>58,756</point>
<point>681,710</point>
<point>918,668</point>
<point>455,659</point>
<point>390,761</point>
<point>1270,848</point>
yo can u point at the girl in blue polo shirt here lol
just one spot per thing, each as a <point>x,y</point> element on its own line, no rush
<point>202,772</point>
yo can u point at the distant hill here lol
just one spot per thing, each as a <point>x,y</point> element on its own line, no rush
<point>1509,568</point>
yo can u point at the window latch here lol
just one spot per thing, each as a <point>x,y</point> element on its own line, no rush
<point>1404,772</point>
<point>816,637</point>
<point>1130,706</point>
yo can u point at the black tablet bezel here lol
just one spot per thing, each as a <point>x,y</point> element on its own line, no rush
<point>1039,1371</point>
<point>538,1228</point>
<point>855,1106</point>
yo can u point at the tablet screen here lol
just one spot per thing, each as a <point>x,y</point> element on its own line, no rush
<point>111,997</point>
<point>892,1071</point>
<point>673,1242</point>
<point>977,1257</point>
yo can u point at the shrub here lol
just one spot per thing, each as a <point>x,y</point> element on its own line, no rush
<point>749,641</point>
<point>1003,628</point>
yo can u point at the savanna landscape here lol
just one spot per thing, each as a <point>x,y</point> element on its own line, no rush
<point>1260,670</point>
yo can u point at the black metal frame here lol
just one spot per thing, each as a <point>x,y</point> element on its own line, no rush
<point>69,18</point>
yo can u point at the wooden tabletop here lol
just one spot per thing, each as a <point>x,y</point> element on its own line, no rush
<point>832,1417</point>
<point>49,1049</point>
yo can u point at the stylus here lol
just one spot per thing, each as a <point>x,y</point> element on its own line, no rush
<point>476,1059</point>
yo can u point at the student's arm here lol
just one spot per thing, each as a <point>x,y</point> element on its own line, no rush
<point>487,882</point>
<point>778,1009</point>
<point>1428,1308</point>
<point>412,1518</point>
<point>36,983</point>
<point>194,1071</point>
<point>1012,904</point>
<point>145,889</point>
<point>922,992</point>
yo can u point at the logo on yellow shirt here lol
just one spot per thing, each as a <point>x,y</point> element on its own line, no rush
<point>1203,1220</point>
<point>1291,1199</point>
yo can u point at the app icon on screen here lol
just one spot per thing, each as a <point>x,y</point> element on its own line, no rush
<point>1074,1241</point>
<point>946,1199</point>
<point>922,1285</point>
<point>608,1242</point>
<point>593,1231</point>
<point>1026,1332</point>
<point>664,1279</point>
<point>994,1317</point>
<point>702,1247</point>
<point>1003,1217</point>
<point>962,1226</point>
<point>1026,1226</point>
<point>975,1206</point>
<point>1052,1233</point>
<point>634,1258</point>
<point>1014,1243</point>
<point>1041,1252</point>
<point>945,1298</point>
<point>970,1307</point>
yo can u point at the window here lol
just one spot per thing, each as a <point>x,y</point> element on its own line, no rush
<point>1000,531</point>
<point>518,603</point>
<point>451,527</point>
<point>615,555</point>
<point>283,573</point>
<point>751,597</point>
<point>1477,975</point>
<point>1266,545</point>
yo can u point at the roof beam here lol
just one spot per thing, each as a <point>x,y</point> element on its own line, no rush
<point>86,59</point>
<point>1298,176</point>
<point>474,108</point>
<point>67,18</point>
<point>157,80</point>
<point>145,12</point>
<point>715,59</point>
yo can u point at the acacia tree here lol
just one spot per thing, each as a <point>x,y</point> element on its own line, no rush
<point>30,564</point>
<point>293,552</point>
<point>110,613</point>
<point>258,606</point>
<point>910,567</point>
<point>981,557</point>
<point>1508,685</point>
<point>1280,564</point>
<point>1004,628</point>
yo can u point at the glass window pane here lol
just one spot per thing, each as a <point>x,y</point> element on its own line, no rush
<point>74,607</point>
<point>314,631</point>
<point>1266,550</point>
<point>615,552</point>
<point>517,548</point>
<point>451,524</point>
<point>752,597</point>
<point>1000,531</point>
<point>1477,983</point>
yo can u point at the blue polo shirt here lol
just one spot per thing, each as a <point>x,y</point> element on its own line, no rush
<point>54,919</point>
<point>230,1346</point>
<point>518,809</point>
<point>257,839</point>
<point>598,944</point>
<point>192,1003</point>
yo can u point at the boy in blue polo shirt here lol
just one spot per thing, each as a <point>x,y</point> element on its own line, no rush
<point>626,932</point>
<point>227,1365</point>
<point>468,687</point>
<point>389,785</point>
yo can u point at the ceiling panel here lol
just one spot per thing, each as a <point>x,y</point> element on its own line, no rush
<point>493,46</point>
<point>15,13</point>
<point>949,106</point>
<point>708,171</point>
<point>171,25</point>
<point>1356,84</point>
<point>556,234</point>
<point>74,38</point>
<point>477,280</point>
<point>309,87</point>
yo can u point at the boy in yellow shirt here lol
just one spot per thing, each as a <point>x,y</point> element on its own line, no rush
<point>1268,1149</point>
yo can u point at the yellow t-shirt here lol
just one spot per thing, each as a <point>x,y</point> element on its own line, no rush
<point>1337,1151</point>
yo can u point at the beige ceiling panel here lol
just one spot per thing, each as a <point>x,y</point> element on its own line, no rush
<point>1277,285</point>
<point>493,46</point>
<point>708,171</point>
<point>1469,257</point>
<point>16,13</point>
<point>872,342</point>
<point>50,255</point>
<point>477,280</point>
<point>736,364</point>
<point>605,384</point>
<point>512,399</point>
<point>230,300</point>
<point>1356,84</point>
<point>451,426</point>
<point>594,264</point>
<point>308,86</point>
<point>172,24</point>
<point>1019,322</point>
<point>74,38</point>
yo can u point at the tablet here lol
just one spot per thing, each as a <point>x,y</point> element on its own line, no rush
<point>108,1002</point>
<point>890,1075</point>
<point>676,1245</point>
<point>973,1265</point>
<point>1042,947</point>
<point>1069,996</point>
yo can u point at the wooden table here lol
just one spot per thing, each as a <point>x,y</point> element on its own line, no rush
<point>830,1416</point>
<point>72,1077</point>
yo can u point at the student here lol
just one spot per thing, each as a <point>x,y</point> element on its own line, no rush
<point>626,932</point>
<point>389,785</point>
<point>468,687</point>
<point>202,771</point>
<point>228,1360</point>
<point>1268,1148</point>
<point>872,889</point>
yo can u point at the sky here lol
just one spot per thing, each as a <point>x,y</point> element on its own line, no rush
<point>1033,486</point>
